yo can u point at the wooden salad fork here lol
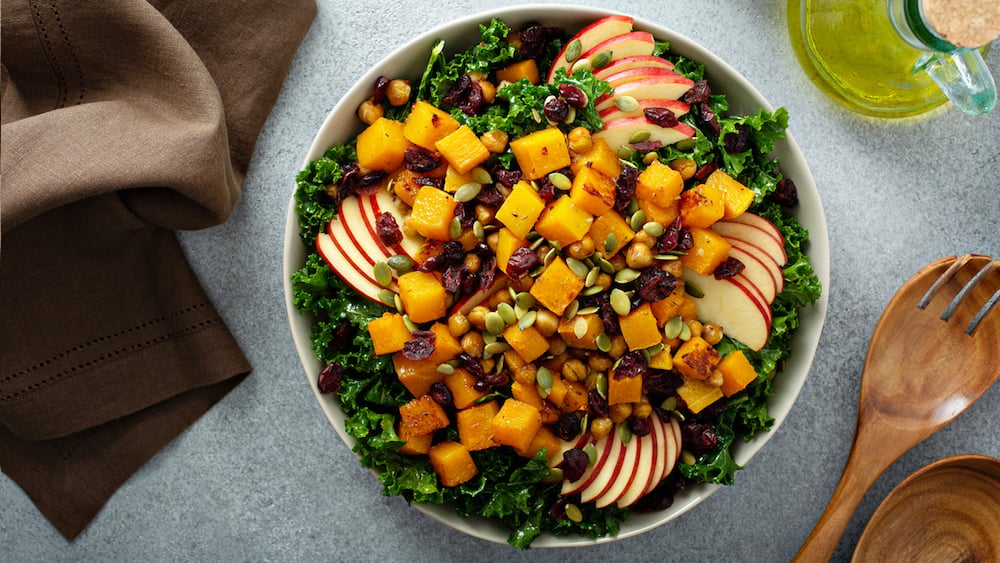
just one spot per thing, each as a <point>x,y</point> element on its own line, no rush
<point>934,352</point>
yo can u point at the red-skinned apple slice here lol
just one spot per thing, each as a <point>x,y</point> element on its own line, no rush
<point>755,236</point>
<point>636,453</point>
<point>623,77</point>
<point>380,201</point>
<point>594,34</point>
<point>620,132</point>
<point>656,87</point>
<point>357,233</point>
<point>345,268</point>
<point>605,447</point>
<point>671,451</point>
<point>610,112</point>
<point>612,468</point>
<point>467,303</point>
<point>761,223</point>
<point>757,272</point>
<point>737,307</point>
<point>637,61</point>
<point>650,458</point>
<point>765,259</point>
<point>634,43</point>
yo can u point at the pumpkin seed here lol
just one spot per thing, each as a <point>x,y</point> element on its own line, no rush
<point>645,355</point>
<point>455,229</point>
<point>591,278</point>
<point>639,136</point>
<point>592,290</point>
<point>446,369</point>
<point>537,270</point>
<point>499,366</point>
<point>560,181</point>
<point>383,274</point>
<point>580,327</point>
<point>685,332</point>
<point>620,302</point>
<point>574,50</point>
<point>673,327</point>
<point>626,103</point>
<point>525,299</point>
<point>480,175</point>
<point>487,337</point>
<point>669,404</point>
<point>686,144</point>
<point>397,301</point>
<point>603,342</point>
<point>494,323</point>
<point>625,431</point>
<point>601,384</point>
<point>519,312</point>
<point>637,221</point>
<point>571,310</point>
<point>574,513</point>
<point>667,257</point>
<point>570,115</point>
<point>400,263</point>
<point>587,311</point>
<point>693,290</point>
<point>591,450</point>
<point>506,313</point>
<point>577,267</point>
<point>536,243</point>
<point>495,348</point>
<point>478,230</point>
<point>653,229</point>
<point>555,475</point>
<point>626,275</point>
<point>550,256</point>
<point>624,152</point>
<point>655,349</point>
<point>610,243</point>
<point>527,319</point>
<point>581,64</point>
<point>387,297</point>
<point>601,59</point>
<point>543,381</point>
<point>606,266</point>
<point>687,458</point>
<point>468,192</point>
<point>633,206</point>
<point>410,325</point>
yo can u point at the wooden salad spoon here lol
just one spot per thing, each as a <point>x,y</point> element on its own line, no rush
<point>933,353</point>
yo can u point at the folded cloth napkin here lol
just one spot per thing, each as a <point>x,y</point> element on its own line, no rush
<point>122,120</point>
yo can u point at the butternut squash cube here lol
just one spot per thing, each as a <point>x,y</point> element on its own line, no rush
<point>541,152</point>
<point>507,243</point>
<point>453,179</point>
<point>701,206</point>
<point>452,463</point>
<point>527,394</point>
<point>574,398</point>
<point>698,394</point>
<point>708,251</point>
<point>696,358</point>
<point>608,223</point>
<point>427,125</point>
<point>592,191</point>
<point>662,214</point>
<point>556,287</point>
<point>737,373</point>
<point>526,69</point>
<point>405,185</point>
<point>381,145</point>
<point>415,445</point>
<point>589,326</point>
<point>736,198</point>
<point>659,184</point>
<point>446,346</point>
<point>463,390</point>
<point>601,157</point>
<point>668,307</point>
<point>416,375</point>
<point>462,149</point>
<point>639,328</point>
<point>545,439</point>
<point>432,212</point>
<point>528,343</point>
<point>421,416</point>
<point>475,426</point>
<point>388,333</point>
<point>516,424</point>
<point>624,390</point>
<point>422,295</point>
<point>661,360</point>
<point>688,310</point>
<point>564,221</point>
<point>521,209</point>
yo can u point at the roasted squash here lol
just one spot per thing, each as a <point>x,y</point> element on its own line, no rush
<point>426,125</point>
<point>593,191</point>
<point>462,385</point>
<point>564,221</point>
<point>452,463</point>
<point>432,213</point>
<point>381,145</point>
<point>541,152</point>
<point>388,333</point>
<point>610,223</point>
<point>516,424</point>
<point>556,287</point>
<point>527,342</point>
<point>659,184</point>
<point>416,375</point>
<point>701,206</point>
<point>422,415</point>
<point>709,249</point>
<point>639,328</point>
<point>696,358</point>
<point>422,295</point>
<point>462,149</point>
<point>520,209</point>
<point>475,426</point>
<point>698,394</point>
<point>737,373</point>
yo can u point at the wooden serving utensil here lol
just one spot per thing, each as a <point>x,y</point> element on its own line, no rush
<point>934,352</point>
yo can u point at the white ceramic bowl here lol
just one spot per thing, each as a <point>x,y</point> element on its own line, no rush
<point>409,59</point>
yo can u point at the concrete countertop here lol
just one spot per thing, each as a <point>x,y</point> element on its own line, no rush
<point>263,476</point>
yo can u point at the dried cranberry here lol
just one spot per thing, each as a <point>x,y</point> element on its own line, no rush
<point>697,93</point>
<point>608,316</point>
<point>640,426</point>
<point>653,284</point>
<point>453,252</point>
<point>432,263</point>
<point>466,95</point>
<point>490,382</point>
<point>534,37</point>
<point>487,272</point>
<point>429,181</point>
<point>708,117</point>
<point>467,217</point>
<point>573,95</point>
<point>728,268</point>
<point>632,364</point>
<point>558,509</point>
<point>625,187</point>
<point>482,250</point>
<point>420,345</point>
<point>330,378</point>
<point>453,277</point>
<point>685,240</point>
<point>546,190</point>
<point>705,170</point>
<point>470,283</point>
<point>698,436</point>
<point>660,382</point>
<point>521,262</point>
<point>381,86</point>
<point>568,426</point>
<point>574,465</point>
<point>471,365</point>
<point>507,177</point>
<point>556,110</point>
<point>597,404</point>
<point>670,237</point>
<point>388,230</point>
<point>646,146</point>
<point>661,116</point>
<point>785,193</point>
<point>737,141</point>
<point>441,394</point>
<point>490,197</point>
<point>420,160</point>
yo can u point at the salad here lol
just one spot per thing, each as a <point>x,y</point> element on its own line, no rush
<point>552,279</point>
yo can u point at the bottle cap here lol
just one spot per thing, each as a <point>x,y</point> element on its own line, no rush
<point>965,23</point>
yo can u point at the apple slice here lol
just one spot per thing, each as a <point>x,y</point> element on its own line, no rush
<point>358,233</point>
<point>765,259</point>
<point>618,79</point>
<point>610,111</point>
<point>637,61</point>
<point>634,43</point>
<point>620,132</point>
<point>760,223</point>
<point>344,267</point>
<point>671,451</point>
<point>656,87</point>
<point>734,305</point>
<point>756,272</point>
<point>594,34</point>
<point>636,458</point>
<point>613,468</point>
<point>650,459</point>
<point>605,447</point>
<point>755,236</point>
<point>467,303</point>
<point>372,206</point>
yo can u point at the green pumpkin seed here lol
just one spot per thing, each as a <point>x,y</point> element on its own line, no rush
<point>653,229</point>
<point>666,257</point>
<point>625,431</point>
<point>555,475</point>
<point>478,230</point>
<point>669,404</point>
<point>686,144</point>
<point>673,327</point>
<point>494,323</point>
<point>582,64</point>
<point>400,263</point>
<point>383,274</point>
<point>610,243</point>
<point>626,275</point>
<point>624,152</point>
<point>527,319</point>
<point>637,220</point>
<point>655,349</point>
<point>387,297</point>
<point>591,278</point>
<point>397,301</point>
<point>694,291</point>
<point>571,310</point>
<point>603,342</point>
<point>455,229</point>
<point>601,384</point>
<point>633,206</point>
<point>685,332</point>
<point>592,290</point>
<point>446,369</point>
<point>550,256</point>
<point>587,311</point>
<point>620,302</point>
<point>577,267</point>
<point>626,103</point>
<point>468,192</point>
<point>574,513</point>
<point>560,181</point>
<point>506,313</point>
<point>536,243</point>
<point>495,348</point>
<point>570,115</point>
<point>601,59</point>
<point>580,327</point>
<point>687,458</point>
<point>591,450</point>
<point>543,381</point>
<point>606,266</point>
<point>639,136</point>
<point>574,50</point>
<point>410,325</point>
<point>480,175</point>
<point>537,270</point>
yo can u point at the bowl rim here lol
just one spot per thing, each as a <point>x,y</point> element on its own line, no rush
<point>719,74</point>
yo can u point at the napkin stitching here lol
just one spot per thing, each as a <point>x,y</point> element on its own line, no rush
<point>50,53</point>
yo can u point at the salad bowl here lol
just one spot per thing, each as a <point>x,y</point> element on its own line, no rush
<point>407,60</point>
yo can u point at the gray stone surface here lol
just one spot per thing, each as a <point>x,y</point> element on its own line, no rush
<point>263,476</point>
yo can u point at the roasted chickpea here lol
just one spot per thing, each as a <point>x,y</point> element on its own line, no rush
<point>685,166</point>
<point>580,140</point>
<point>458,324</point>
<point>472,262</point>
<point>495,141</point>
<point>582,248</point>
<point>557,345</point>
<point>644,238</point>
<point>618,346</point>
<point>599,362</point>
<point>398,92</point>
<point>546,322</point>
<point>574,370</point>
<point>369,111</point>
<point>715,380</point>
<point>695,326</point>
<point>638,256</point>
<point>472,343</point>
<point>619,412</point>
<point>712,333</point>
<point>600,427</point>
<point>477,317</point>
<point>642,409</point>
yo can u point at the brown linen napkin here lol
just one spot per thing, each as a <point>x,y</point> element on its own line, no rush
<point>121,120</point>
